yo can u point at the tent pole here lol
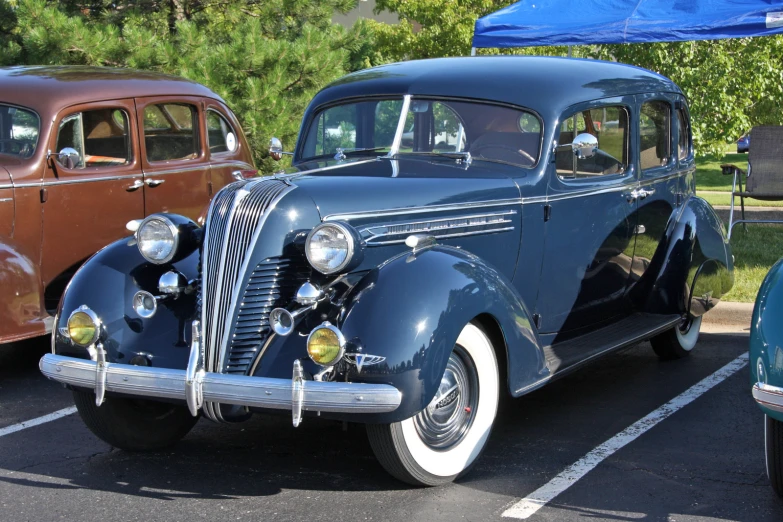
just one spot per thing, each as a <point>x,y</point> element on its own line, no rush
<point>569,52</point>
<point>473,51</point>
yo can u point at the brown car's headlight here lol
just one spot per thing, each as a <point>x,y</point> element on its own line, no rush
<point>333,247</point>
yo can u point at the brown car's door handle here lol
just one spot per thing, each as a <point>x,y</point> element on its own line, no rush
<point>154,182</point>
<point>136,186</point>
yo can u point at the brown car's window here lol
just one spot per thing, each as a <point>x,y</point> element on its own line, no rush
<point>99,136</point>
<point>220,134</point>
<point>171,131</point>
<point>654,134</point>
<point>18,131</point>
<point>610,126</point>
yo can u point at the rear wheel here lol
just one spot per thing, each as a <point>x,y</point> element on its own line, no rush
<point>773,447</point>
<point>679,341</point>
<point>134,424</point>
<point>444,440</point>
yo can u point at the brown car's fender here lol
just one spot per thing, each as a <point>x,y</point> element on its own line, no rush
<point>22,310</point>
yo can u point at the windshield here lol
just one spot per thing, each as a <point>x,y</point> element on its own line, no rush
<point>18,131</point>
<point>429,126</point>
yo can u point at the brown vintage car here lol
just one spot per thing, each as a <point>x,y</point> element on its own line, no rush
<point>85,150</point>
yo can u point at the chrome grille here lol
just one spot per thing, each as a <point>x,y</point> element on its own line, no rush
<point>234,220</point>
<point>272,284</point>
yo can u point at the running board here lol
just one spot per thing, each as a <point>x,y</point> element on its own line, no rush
<point>568,355</point>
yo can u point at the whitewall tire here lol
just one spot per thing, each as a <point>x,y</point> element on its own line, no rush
<point>679,341</point>
<point>444,440</point>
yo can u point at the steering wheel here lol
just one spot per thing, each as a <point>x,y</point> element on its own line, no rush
<point>517,152</point>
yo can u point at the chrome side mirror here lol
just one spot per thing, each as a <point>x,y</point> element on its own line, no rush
<point>276,149</point>
<point>68,157</point>
<point>584,145</point>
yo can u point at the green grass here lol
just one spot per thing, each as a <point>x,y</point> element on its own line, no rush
<point>725,200</point>
<point>708,172</point>
<point>755,251</point>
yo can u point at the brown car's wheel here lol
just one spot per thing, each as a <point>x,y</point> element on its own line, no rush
<point>679,341</point>
<point>444,440</point>
<point>134,424</point>
<point>773,448</point>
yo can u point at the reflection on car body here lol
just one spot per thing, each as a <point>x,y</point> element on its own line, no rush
<point>458,239</point>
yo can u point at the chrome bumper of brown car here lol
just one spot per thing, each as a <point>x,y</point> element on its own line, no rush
<point>768,396</point>
<point>195,386</point>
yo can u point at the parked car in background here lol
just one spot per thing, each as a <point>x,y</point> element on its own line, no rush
<point>391,282</point>
<point>743,144</point>
<point>766,369</point>
<point>85,150</point>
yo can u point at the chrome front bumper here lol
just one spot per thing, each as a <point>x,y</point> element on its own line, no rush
<point>768,396</point>
<point>195,386</point>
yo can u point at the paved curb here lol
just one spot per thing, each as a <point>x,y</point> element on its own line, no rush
<point>730,313</point>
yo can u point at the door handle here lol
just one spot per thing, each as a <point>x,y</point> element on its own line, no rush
<point>633,195</point>
<point>136,186</point>
<point>154,182</point>
<point>237,175</point>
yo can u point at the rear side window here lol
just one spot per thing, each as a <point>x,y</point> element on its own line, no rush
<point>655,134</point>
<point>684,136</point>
<point>171,132</point>
<point>101,137</point>
<point>18,131</point>
<point>609,125</point>
<point>220,134</point>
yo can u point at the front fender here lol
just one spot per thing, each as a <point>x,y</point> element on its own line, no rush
<point>693,265</point>
<point>106,283</point>
<point>766,334</point>
<point>22,310</point>
<point>411,310</point>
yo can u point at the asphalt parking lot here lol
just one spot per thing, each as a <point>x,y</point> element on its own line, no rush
<point>703,462</point>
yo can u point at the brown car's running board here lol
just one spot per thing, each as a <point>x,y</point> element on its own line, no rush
<point>568,355</point>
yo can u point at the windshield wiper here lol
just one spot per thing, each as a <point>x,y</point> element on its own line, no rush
<point>342,152</point>
<point>461,156</point>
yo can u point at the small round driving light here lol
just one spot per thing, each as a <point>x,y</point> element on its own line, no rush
<point>157,238</point>
<point>325,345</point>
<point>332,247</point>
<point>84,327</point>
<point>144,304</point>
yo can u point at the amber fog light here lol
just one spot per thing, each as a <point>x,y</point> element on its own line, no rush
<point>325,345</point>
<point>84,327</point>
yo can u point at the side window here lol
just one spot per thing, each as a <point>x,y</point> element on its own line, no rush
<point>684,142</point>
<point>101,137</point>
<point>609,125</point>
<point>171,132</point>
<point>655,134</point>
<point>220,134</point>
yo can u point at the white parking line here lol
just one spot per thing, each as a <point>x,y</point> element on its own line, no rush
<point>543,495</point>
<point>35,422</point>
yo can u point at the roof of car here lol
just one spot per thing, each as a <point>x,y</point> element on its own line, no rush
<point>50,88</point>
<point>537,82</point>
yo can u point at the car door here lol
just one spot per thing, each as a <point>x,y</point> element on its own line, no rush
<point>88,199</point>
<point>589,231</point>
<point>174,158</point>
<point>229,154</point>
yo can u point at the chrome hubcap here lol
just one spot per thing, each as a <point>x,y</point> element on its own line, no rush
<point>446,420</point>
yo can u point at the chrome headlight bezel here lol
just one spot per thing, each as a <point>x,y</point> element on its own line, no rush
<point>353,248</point>
<point>172,227</point>
<point>94,319</point>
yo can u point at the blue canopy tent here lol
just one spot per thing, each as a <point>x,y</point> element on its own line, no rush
<point>578,22</point>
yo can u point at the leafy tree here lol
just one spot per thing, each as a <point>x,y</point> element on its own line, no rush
<point>266,59</point>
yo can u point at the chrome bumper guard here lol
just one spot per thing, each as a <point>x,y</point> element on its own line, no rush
<point>195,386</point>
<point>768,396</point>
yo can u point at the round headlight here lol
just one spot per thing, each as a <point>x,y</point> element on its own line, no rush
<point>330,247</point>
<point>157,238</point>
<point>84,327</point>
<point>325,345</point>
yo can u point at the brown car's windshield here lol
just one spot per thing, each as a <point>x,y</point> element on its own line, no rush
<point>429,126</point>
<point>18,131</point>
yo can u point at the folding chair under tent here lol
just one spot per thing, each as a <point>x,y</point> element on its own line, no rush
<point>764,176</point>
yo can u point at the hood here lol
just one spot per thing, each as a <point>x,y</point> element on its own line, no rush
<point>379,184</point>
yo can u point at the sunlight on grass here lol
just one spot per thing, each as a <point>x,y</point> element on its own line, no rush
<point>725,200</point>
<point>755,251</point>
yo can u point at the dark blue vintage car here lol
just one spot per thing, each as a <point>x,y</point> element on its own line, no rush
<point>451,231</point>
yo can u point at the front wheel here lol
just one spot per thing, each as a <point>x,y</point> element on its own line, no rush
<point>134,424</point>
<point>444,440</point>
<point>679,341</point>
<point>773,448</point>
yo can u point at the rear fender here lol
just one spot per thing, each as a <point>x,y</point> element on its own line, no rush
<point>22,310</point>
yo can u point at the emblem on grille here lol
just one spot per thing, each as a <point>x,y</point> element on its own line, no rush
<point>360,359</point>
